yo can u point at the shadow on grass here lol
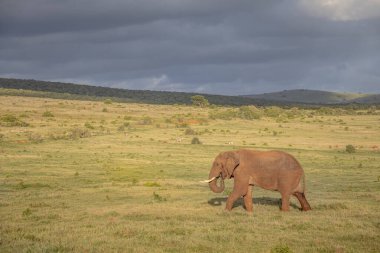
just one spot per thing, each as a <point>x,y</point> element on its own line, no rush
<point>266,201</point>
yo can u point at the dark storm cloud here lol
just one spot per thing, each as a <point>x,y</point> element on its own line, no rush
<point>212,46</point>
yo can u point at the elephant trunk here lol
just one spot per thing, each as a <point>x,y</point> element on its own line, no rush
<point>213,184</point>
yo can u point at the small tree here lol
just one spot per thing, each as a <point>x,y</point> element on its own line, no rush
<point>200,101</point>
<point>195,140</point>
<point>47,114</point>
<point>350,149</point>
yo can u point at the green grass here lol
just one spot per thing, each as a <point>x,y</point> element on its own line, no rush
<point>88,185</point>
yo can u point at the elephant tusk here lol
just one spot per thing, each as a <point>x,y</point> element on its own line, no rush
<point>209,180</point>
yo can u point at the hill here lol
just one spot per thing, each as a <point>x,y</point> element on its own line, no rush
<point>317,97</point>
<point>89,92</point>
<point>61,90</point>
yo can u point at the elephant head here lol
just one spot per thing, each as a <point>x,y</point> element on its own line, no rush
<point>222,167</point>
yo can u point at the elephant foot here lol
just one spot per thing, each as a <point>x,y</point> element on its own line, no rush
<point>302,199</point>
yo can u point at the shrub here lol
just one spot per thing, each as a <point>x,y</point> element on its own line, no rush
<point>273,111</point>
<point>108,101</point>
<point>181,125</point>
<point>190,131</point>
<point>48,114</point>
<point>26,212</point>
<point>56,136</point>
<point>121,128</point>
<point>77,133</point>
<point>10,120</point>
<point>350,149</point>
<point>152,184</point>
<point>158,198</point>
<point>24,115</point>
<point>325,111</point>
<point>249,112</point>
<point>226,115</point>
<point>195,140</point>
<point>35,138</point>
<point>200,101</point>
<point>244,112</point>
<point>88,125</point>
<point>146,121</point>
<point>281,249</point>
<point>294,112</point>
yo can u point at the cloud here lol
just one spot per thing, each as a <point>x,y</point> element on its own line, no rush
<point>343,10</point>
<point>222,47</point>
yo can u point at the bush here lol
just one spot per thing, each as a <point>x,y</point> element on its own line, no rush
<point>152,184</point>
<point>200,101</point>
<point>26,212</point>
<point>181,125</point>
<point>121,128</point>
<point>326,111</point>
<point>294,112</point>
<point>35,138</point>
<point>10,120</point>
<point>249,112</point>
<point>146,121</point>
<point>108,101</point>
<point>77,133</point>
<point>190,131</point>
<point>48,114</point>
<point>244,112</point>
<point>281,249</point>
<point>158,198</point>
<point>195,140</point>
<point>88,125</point>
<point>350,149</point>
<point>273,111</point>
<point>226,115</point>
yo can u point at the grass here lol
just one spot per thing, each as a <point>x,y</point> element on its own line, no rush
<point>89,186</point>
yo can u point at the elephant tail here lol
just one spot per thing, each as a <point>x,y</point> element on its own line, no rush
<point>303,183</point>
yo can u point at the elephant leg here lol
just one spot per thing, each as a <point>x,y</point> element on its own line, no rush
<point>248,199</point>
<point>240,189</point>
<point>231,199</point>
<point>285,201</point>
<point>302,199</point>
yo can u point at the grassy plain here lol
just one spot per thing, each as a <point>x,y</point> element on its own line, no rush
<point>87,176</point>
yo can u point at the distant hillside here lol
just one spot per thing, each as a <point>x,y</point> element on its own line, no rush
<point>368,99</point>
<point>88,92</point>
<point>137,96</point>
<point>317,97</point>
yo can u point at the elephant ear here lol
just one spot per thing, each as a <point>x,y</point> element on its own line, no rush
<point>231,162</point>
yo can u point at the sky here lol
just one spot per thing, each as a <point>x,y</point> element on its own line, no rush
<point>229,47</point>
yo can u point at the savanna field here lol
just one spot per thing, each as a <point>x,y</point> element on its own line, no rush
<point>101,176</point>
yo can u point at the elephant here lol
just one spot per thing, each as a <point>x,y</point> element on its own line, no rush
<point>271,170</point>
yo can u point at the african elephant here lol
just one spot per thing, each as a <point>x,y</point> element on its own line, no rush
<point>271,170</point>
